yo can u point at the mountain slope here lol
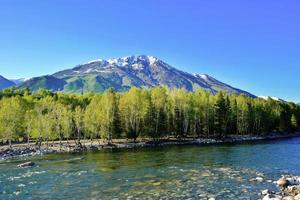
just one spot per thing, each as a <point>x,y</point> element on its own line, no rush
<point>123,73</point>
<point>218,85</point>
<point>47,82</point>
<point>5,83</point>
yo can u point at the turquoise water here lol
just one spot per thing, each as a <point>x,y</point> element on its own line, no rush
<point>173,172</point>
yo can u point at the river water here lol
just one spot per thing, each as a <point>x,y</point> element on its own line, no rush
<point>237,171</point>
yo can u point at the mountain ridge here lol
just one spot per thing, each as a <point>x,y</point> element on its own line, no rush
<point>123,73</point>
<point>5,83</point>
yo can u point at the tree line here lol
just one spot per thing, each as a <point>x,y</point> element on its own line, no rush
<point>154,114</point>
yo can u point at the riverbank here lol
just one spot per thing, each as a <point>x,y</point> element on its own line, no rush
<point>31,149</point>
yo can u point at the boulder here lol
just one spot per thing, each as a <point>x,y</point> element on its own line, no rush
<point>283,183</point>
<point>26,164</point>
<point>297,197</point>
<point>288,198</point>
<point>272,197</point>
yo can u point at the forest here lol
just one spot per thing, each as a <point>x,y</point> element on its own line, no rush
<point>156,113</point>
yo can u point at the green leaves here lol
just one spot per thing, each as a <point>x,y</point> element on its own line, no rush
<point>11,118</point>
<point>154,113</point>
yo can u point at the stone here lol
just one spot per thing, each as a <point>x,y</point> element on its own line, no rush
<point>272,197</point>
<point>288,198</point>
<point>297,197</point>
<point>265,192</point>
<point>26,164</point>
<point>283,182</point>
<point>259,179</point>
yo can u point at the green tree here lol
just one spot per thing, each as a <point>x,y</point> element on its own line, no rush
<point>93,118</point>
<point>133,110</point>
<point>110,123</point>
<point>78,119</point>
<point>294,122</point>
<point>11,118</point>
<point>220,115</point>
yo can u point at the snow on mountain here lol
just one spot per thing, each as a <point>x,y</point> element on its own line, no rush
<point>269,97</point>
<point>20,80</point>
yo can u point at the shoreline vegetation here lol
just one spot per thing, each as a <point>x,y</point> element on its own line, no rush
<point>159,115</point>
<point>32,149</point>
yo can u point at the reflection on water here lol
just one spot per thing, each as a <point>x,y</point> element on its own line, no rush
<point>175,172</point>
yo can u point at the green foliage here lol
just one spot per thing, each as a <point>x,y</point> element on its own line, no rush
<point>12,112</point>
<point>154,113</point>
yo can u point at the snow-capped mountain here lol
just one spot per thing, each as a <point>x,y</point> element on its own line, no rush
<point>273,98</point>
<point>19,80</point>
<point>123,73</point>
<point>5,83</point>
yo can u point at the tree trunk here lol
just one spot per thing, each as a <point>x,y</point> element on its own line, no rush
<point>28,140</point>
<point>98,142</point>
<point>47,142</point>
<point>10,145</point>
<point>60,143</point>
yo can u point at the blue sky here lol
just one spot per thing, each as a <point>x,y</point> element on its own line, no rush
<point>251,44</point>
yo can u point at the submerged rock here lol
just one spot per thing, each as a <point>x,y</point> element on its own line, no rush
<point>259,179</point>
<point>26,164</point>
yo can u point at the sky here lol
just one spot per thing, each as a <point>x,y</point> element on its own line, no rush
<point>251,44</point>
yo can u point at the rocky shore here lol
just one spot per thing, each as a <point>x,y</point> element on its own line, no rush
<point>31,149</point>
<point>289,189</point>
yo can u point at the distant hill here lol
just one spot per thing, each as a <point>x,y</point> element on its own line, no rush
<point>19,80</point>
<point>47,82</point>
<point>123,73</point>
<point>5,83</point>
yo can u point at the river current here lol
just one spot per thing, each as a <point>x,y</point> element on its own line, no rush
<point>236,171</point>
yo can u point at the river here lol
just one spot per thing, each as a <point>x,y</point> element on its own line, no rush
<point>237,171</point>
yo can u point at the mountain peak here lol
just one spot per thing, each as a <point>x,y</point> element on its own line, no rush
<point>143,71</point>
<point>133,61</point>
<point>96,61</point>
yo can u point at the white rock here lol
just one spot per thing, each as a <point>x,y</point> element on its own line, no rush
<point>297,197</point>
<point>288,198</point>
<point>265,192</point>
<point>272,197</point>
<point>26,164</point>
<point>260,179</point>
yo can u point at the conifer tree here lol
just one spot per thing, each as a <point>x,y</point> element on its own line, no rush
<point>220,113</point>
